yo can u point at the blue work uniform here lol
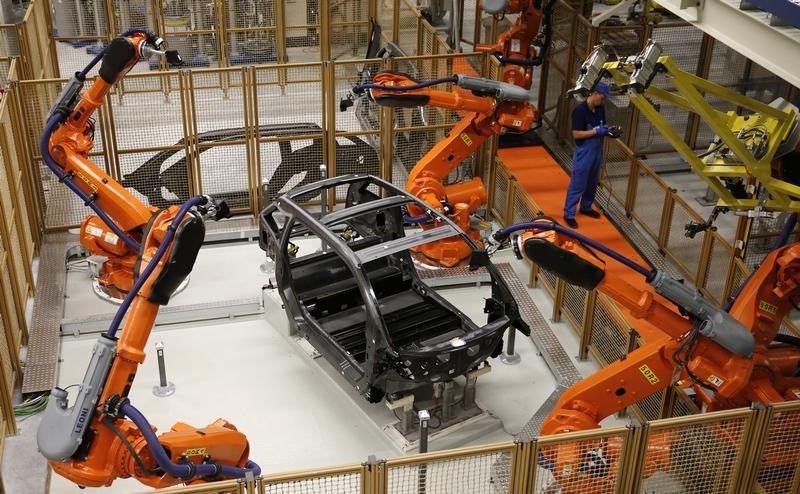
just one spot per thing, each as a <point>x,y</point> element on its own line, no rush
<point>586,160</point>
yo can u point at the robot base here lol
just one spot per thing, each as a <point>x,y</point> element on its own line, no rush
<point>117,297</point>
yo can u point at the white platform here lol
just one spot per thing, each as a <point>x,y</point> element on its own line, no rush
<point>294,412</point>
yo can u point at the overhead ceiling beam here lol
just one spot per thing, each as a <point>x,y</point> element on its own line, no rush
<point>748,32</point>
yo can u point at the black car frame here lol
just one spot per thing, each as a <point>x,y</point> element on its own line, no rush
<point>358,299</point>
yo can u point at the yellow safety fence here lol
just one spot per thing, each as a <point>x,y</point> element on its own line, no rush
<point>18,244</point>
<point>733,451</point>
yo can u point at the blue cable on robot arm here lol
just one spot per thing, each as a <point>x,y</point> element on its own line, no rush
<point>504,233</point>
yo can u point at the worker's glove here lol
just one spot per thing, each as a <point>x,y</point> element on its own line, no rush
<point>602,130</point>
<point>615,131</point>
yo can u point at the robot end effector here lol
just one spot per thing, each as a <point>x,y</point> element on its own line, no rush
<point>592,71</point>
<point>479,86</point>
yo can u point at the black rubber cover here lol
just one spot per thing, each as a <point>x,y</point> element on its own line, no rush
<point>188,239</point>
<point>402,100</point>
<point>119,52</point>
<point>568,266</point>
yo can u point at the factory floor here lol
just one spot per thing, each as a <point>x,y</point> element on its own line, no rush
<point>295,412</point>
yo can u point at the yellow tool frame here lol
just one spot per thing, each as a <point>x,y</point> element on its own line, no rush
<point>747,144</point>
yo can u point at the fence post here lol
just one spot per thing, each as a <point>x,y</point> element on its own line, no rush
<point>666,220</point>
<point>558,299</point>
<point>587,325</point>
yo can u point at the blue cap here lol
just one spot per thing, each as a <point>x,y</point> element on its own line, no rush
<point>603,89</point>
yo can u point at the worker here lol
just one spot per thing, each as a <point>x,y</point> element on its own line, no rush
<point>588,129</point>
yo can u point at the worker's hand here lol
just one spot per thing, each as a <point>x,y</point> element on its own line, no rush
<point>601,130</point>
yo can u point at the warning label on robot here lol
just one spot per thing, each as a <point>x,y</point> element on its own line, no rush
<point>648,374</point>
<point>767,307</point>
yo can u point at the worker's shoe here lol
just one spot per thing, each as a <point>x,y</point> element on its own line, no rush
<point>571,222</point>
<point>590,213</point>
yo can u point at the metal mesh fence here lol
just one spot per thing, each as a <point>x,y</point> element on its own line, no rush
<point>608,338</point>
<point>524,209</point>
<point>777,471</point>
<point>649,407</point>
<point>500,192</point>
<point>408,29</point>
<point>349,28</point>
<point>649,204</point>
<point>252,32</point>
<point>680,249</point>
<point>762,237</point>
<point>5,352</point>
<point>616,172</point>
<point>694,457</point>
<point>291,142</point>
<point>571,466</point>
<point>718,262</point>
<point>469,474</point>
<point>9,44</point>
<point>548,280</point>
<point>345,483</point>
<point>14,323</point>
<point>574,304</point>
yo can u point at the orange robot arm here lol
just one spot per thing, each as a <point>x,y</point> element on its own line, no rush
<point>707,344</point>
<point>491,106</point>
<point>514,46</point>
<point>102,436</point>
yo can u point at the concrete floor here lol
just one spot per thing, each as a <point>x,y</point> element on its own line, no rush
<point>296,413</point>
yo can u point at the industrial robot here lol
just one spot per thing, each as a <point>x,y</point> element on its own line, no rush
<point>102,436</point>
<point>490,108</point>
<point>725,358</point>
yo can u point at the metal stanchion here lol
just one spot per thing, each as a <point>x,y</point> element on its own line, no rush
<point>323,198</point>
<point>509,357</point>
<point>422,473</point>
<point>164,388</point>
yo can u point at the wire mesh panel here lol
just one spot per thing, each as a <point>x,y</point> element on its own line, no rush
<point>290,127</point>
<point>333,484</point>
<point>189,27</point>
<point>616,171</point>
<point>6,347</point>
<point>684,455</point>
<point>609,337</point>
<point>525,209</point>
<point>9,44</point>
<point>465,474</point>
<point>625,40</point>
<point>409,31</point>
<point>302,21</point>
<point>680,249</point>
<point>350,28</point>
<point>649,407</point>
<point>35,101</point>
<point>363,119</point>
<point>150,136</point>
<point>777,469</point>
<point>14,324</point>
<point>682,43</point>
<point>580,462</point>
<point>553,100</point>
<point>500,193</point>
<point>763,236</point>
<point>252,32</point>
<point>718,262</point>
<point>649,202</point>
<point>574,304</point>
